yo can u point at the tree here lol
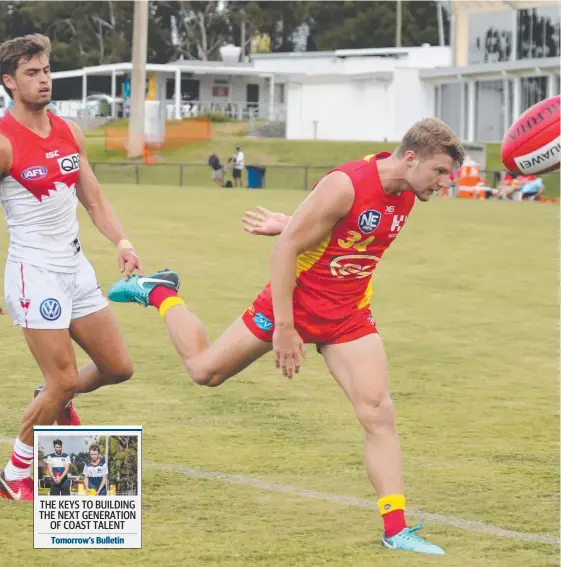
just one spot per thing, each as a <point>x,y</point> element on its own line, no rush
<point>280,21</point>
<point>355,25</point>
<point>81,33</point>
<point>123,460</point>
<point>196,30</point>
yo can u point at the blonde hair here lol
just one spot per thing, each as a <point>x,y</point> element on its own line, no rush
<point>26,47</point>
<point>430,136</point>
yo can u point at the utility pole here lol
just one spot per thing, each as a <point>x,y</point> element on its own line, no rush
<point>138,78</point>
<point>242,44</point>
<point>398,25</point>
<point>441,40</point>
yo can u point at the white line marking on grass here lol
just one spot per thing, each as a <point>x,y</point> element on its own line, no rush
<point>468,525</point>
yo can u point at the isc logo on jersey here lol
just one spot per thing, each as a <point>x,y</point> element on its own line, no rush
<point>368,221</point>
<point>34,172</point>
<point>68,164</point>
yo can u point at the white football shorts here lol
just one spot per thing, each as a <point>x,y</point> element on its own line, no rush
<point>38,298</point>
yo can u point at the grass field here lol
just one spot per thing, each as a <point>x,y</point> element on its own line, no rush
<point>466,302</point>
<point>277,154</point>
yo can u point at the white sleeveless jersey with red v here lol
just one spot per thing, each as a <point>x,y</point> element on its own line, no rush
<point>38,195</point>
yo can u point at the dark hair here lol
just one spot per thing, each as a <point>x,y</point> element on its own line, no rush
<point>25,47</point>
<point>57,442</point>
<point>94,448</point>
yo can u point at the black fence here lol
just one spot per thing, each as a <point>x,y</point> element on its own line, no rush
<point>276,176</point>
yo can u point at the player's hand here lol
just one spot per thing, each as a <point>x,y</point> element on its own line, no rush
<point>1,310</point>
<point>263,222</point>
<point>289,350</point>
<point>129,262</point>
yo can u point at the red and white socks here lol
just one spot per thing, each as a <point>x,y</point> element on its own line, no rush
<point>20,462</point>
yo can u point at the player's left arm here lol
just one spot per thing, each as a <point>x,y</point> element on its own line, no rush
<point>104,479</point>
<point>100,210</point>
<point>66,469</point>
<point>262,222</point>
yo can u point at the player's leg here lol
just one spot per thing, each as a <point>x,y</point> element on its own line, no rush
<point>360,367</point>
<point>54,354</point>
<point>94,328</point>
<point>38,301</point>
<point>212,364</point>
<point>100,337</point>
<point>57,489</point>
<point>208,365</point>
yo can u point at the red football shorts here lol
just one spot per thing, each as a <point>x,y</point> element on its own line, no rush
<point>259,319</point>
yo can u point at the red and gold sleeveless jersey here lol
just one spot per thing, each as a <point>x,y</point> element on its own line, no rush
<point>334,278</point>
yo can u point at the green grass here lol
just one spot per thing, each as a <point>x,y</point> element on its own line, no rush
<point>319,156</point>
<point>468,312</point>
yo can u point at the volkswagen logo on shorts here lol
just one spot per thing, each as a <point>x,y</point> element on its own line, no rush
<point>369,220</point>
<point>50,309</point>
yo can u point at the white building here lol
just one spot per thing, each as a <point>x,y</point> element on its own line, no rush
<point>504,58</point>
<point>363,94</point>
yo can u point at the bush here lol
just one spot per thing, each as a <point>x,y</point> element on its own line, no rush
<point>215,117</point>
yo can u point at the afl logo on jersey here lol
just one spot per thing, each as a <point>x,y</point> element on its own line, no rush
<point>34,172</point>
<point>50,309</point>
<point>68,164</point>
<point>369,220</point>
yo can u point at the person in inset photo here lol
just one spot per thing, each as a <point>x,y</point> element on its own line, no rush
<point>95,474</point>
<point>58,465</point>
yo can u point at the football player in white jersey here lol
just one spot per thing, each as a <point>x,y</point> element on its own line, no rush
<point>50,287</point>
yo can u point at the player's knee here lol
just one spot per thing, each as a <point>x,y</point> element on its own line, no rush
<point>121,371</point>
<point>377,414</point>
<point>63,386</point>
<point>205,375</point>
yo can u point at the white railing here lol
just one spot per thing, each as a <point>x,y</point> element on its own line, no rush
<point>233,110</point>
<point>191,109</point>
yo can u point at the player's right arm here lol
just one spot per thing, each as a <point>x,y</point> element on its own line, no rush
<point>312,222</point>
<point>5,155</point>
<point>50,471</point>
<point>5,164</point>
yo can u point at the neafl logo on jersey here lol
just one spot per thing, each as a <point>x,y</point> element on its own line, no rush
<point>368,221</point>
<point>34,172</point>
<point>68,164</point>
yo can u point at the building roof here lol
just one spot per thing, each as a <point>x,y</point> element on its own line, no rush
<point>382,76</point>
<point>342,53</point>
<point>474,6</point>
<point>196,67</point>
<point>491,70</point>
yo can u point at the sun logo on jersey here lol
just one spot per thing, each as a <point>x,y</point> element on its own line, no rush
<point>354,265</point>
<point>369,220</point>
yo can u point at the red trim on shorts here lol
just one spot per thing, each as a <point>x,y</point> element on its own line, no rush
<point>23,293</point>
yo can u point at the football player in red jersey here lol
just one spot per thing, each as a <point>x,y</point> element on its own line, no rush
<point>50,287</point>
<point>321,268</point>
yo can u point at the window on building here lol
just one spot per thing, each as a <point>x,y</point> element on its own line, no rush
<point>533,90</point>
<point>538,33</point>
<point>489,111</point>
